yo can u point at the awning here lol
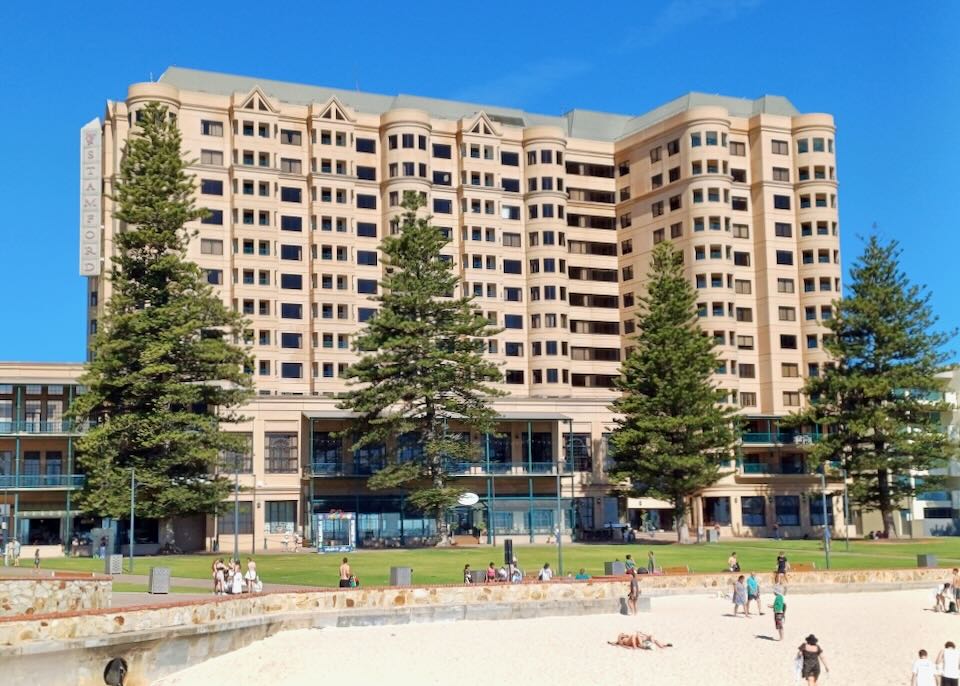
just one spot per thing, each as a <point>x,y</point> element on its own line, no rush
<point>532,417</point>
<point>330,414</point>
<point>648,504</point>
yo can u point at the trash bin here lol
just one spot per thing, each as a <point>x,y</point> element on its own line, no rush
<point>113,564</point>
<point>479,576</point>
<point>926,560</point>
<point>616,568</point>
<point>713,536</point>
<point>159,580</point>
<point>401,576</point>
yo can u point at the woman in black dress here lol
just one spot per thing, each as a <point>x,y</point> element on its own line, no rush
<point>811,655</point>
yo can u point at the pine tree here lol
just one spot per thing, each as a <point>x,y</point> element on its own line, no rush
<point>422,369</point>
<point>163,375</point>
<point>674,431</point>
<point>879,404</point>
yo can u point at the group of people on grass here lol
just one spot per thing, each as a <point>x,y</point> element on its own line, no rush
<point>505,573</point>
<point>229,578</point>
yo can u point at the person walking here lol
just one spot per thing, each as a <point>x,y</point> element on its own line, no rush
<point>948,664</point>
<point>15,551</point>
<point>811,657</point>
<point>923,672</point>
<point>251,575</point>
<point>783,566</point>
<point>651,563</point>
<point>345,574</point>
<point>740,597</point>
<point>779,611</point>
<point>236,581</point>
<point>634,592</point>
<point>36,558</point>
<point>103,548</point>
<point>753,593</point>
<point>467,577</point>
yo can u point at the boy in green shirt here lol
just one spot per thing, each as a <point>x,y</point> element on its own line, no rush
<point>779,610</point>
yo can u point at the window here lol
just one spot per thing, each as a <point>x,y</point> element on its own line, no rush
<point>363,144</point>
<point>790,370</point>
<point>676,230</point>
<point>753,510</point>
<point>781,202</point>
<point>742,287</point>
<point>368,286</point>
<point>741,231</point>
<point>741,259</point>
<point>788,509</point>
<point>367,173</point>
<point>656,154</point>
<point>366,202</point>
<point>738,203</point>
<point>288,137</point>
<point>674,202</point>
<point>744,314</point>
<point>290,252</point>
<point>748,399</point>
<point>511,159</point>
<point>213,217</point>
<point>673,147</point>
<point>442,206</point>
<point>291,311</point>
<point>367,229</point>
<point>288,194</point>
<point>738,149</point>
<point>211,187</point>
<point>513,321</point>
<point>785,286</point>
<point>747,371</point>
<point>781,174</point>
<point>787,314</point>
<point>511,240</point>
<point>367,258</point>
<point>710,138</point>
<point>694,140</point>
<point>211,128</point>
<point>779,147</point>
<point>214,276</point>
<point>512,267</point>
<point>656,209</point>
<point>211,246</point>
<point>288,223</point>
<point>784,257</point>
<point>783,230</point>
<point>291,281</point>
<point>513,376</point>
<point>788,342</point>
<point>291,340</point>
<point>745,342</point>
<point>211,157</point>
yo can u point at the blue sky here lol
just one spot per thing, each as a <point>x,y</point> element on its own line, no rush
<point>888,71</point>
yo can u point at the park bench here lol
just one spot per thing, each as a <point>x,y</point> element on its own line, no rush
<point>684,569</point>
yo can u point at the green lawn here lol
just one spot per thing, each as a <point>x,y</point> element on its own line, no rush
<point>445,565</point>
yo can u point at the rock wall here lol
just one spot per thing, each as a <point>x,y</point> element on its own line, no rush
<point>47,593</point>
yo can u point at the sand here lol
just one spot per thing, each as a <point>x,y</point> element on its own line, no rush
<point>867,638</point>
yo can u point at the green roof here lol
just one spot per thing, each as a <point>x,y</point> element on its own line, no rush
<point>602,126</point>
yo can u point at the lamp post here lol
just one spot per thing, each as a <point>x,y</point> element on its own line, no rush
<point>133,507</point>
<point>236,507</point>
<point>823,505</point>
<point>846,513</point>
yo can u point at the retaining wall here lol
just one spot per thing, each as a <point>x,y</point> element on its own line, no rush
<point>47,592</point>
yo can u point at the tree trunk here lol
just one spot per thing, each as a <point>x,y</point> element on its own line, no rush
<point>443,527</point>
<point>680,520</point>
<point>886,506</point>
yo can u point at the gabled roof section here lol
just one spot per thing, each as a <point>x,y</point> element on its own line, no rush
<point>334,110</point>
<point>600,126</point>
<point>482,126</point>
<point>258,101</point>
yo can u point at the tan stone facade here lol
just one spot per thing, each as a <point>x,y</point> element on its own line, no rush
<point>552,221</point>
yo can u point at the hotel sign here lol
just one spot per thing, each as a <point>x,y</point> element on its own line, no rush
<point>90,198</point>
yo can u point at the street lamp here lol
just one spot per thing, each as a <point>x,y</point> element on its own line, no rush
<point>823,505</point>
<point>133,507</point>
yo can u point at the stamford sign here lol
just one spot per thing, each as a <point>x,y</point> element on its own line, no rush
<point>90,182</point>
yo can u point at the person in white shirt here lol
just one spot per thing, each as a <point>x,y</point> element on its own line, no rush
<point>948,663</point>
<point>923,671</point>
<point>546,573</point>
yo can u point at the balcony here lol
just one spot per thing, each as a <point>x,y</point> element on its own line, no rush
<point>10,427</point>
<point>481,468</point>
<point>779,438</point>
<point>40,481</point>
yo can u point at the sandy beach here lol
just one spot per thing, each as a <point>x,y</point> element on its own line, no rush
<point>868,639</point>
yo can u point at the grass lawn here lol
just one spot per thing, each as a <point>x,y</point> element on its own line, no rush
<point>445,565</point>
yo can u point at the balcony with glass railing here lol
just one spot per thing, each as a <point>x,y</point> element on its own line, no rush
<point>41,481</point>
<point>9,427</point>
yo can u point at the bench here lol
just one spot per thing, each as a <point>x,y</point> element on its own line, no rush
<point>675,570</point>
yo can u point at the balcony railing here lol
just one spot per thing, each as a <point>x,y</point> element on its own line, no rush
<point>779,437</point>
<point>14,481</point>
<point>481,468</point>
<point>57,426</point>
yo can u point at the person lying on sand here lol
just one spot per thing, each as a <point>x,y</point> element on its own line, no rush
<point>639,640</point>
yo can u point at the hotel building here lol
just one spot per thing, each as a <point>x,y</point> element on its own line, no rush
<point>551,221</point>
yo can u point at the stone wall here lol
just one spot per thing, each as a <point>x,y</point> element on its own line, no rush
<point>47,592</point>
